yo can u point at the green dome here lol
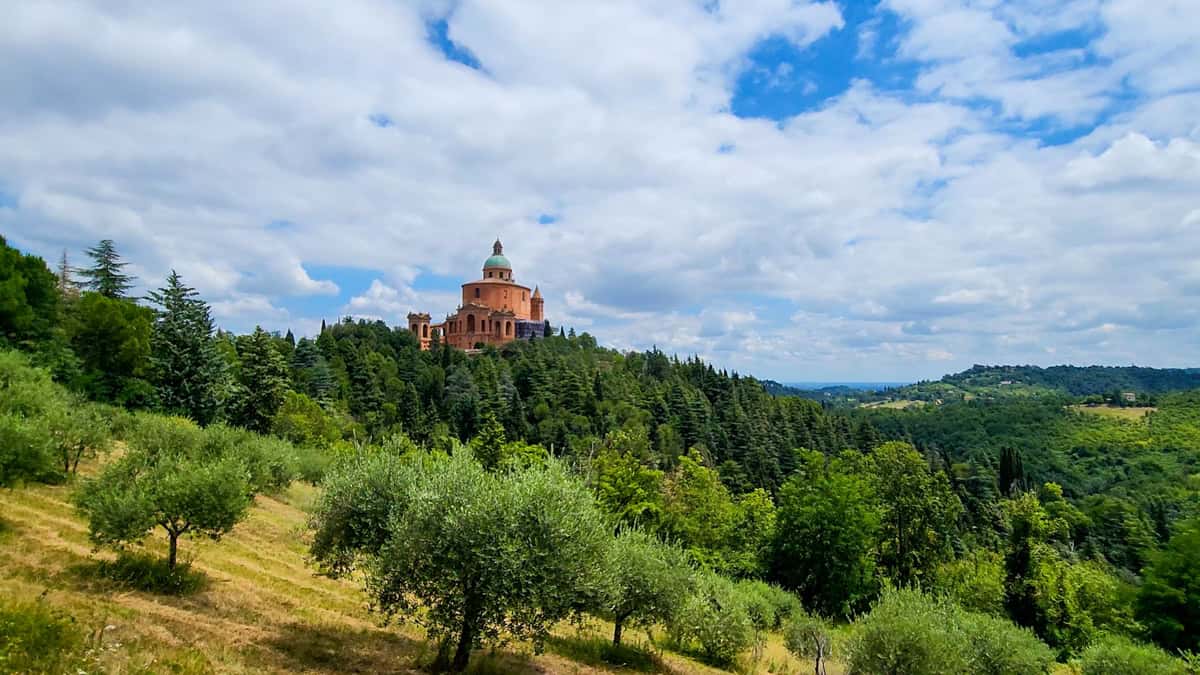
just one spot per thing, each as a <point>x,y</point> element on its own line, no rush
<point>497,261</point>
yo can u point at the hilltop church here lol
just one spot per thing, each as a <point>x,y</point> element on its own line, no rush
<point>495,310</point>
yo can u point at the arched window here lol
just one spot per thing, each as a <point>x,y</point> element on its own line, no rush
<point>508,328</point>
<point>425,330</point>
<point>471,320</point>
<point>477,291</point>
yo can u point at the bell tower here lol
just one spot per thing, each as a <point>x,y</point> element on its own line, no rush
<point>535,305</point>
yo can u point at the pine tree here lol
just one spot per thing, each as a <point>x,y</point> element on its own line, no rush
<point>105,276</point>
<point>262,382</point>
<point>187,369</point>
<point>546,330</point>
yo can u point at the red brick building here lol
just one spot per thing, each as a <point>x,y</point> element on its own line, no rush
<point>494,310</point>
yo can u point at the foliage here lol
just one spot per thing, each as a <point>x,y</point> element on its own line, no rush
<point>29,300</point>
<point>1169,599</point>
<point>974,581</point>
<point>112,339</point>
<point>262,382</point>
<point>1117,655</point>
<point>26,451</point>
<point>37,640</point>
<point>304,422</point>
<point>105,276</point>
<point>714,617</point>
<point>909,632</point>
<point>824,543</point>
<point>188,371</point>
<point>166,480</point>
<point>919,513</point>
<point>28,445</point>
<point>78,428</point>
<point>627,488</point>
<point>720,533</point>
<point>144,572</point>
<point>809,637</point>
<point>485,555</point>
<point>645,581</point>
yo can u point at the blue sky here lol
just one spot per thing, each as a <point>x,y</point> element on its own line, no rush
<point>800,190</point>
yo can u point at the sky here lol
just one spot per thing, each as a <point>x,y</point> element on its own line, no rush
<point>795,189</point>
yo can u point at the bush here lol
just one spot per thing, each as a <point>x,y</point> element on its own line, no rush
<point>34,639</point>
<point>270,462</point>
<point>313,463</point>
<point>716,617</point>
<point>909,632</point>
<point>1116,655</point>
<point>1000,647</point>
<point>144,572</point>
<point>26,451</point>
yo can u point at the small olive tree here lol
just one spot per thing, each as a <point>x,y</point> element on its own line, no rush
<point>646,581</point>
<point>486,555</point>
<point>163,481</point>
<point>78,428</point>
<point>809,637</point>
<point>715,616</point>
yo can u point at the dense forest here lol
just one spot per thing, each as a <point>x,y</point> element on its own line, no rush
<point>713,493</point>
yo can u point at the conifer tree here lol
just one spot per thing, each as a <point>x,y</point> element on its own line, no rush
<point>262,382</point>
<point>1012,471</point>
<point>188,371</point>
<point>105,276</point>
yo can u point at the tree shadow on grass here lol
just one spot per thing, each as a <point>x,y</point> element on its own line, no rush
<point>339,649</point>
<point>599,651</point>
<point>140,572</point>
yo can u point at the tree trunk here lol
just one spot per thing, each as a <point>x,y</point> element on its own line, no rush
<point>462,654</point>
<point>174,549</point>
<point>617,632</point>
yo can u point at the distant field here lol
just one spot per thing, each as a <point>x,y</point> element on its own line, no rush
<point>1114,411</point>
<point>898,405</point>
<point>263,610</point>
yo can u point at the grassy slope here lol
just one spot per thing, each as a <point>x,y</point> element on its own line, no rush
<point>262,610</point>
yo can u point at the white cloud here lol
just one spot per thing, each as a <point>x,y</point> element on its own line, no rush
<point>878,234</point>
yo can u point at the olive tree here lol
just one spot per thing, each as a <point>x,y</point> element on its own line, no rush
<point>163,481</point>
<point>714,616</point>
<point>810,637</point>
<point>646,582</point>
<point>485,555</point>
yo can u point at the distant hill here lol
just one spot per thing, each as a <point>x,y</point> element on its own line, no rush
<point>981,381</point>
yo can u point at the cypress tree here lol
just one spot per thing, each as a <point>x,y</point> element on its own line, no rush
<point>1012,471</point>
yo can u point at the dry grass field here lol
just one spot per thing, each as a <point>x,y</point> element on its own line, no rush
<point>1114,411</point>
<point>260,608</point>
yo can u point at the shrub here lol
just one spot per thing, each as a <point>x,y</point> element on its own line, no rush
<point>35,640</point>
<point>270,462</point>
<point>313,463</point>
<point>1116,655</point>
<point>143,572</point>
<point>1000,647</point>
<point>909,632</point>
<point>26,451</point>
<point>715,617</point>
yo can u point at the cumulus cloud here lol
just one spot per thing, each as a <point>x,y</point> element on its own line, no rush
<point>882,233</point>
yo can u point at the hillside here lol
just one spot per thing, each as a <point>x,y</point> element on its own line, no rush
<point>261,607</point>
<point>979,381</point>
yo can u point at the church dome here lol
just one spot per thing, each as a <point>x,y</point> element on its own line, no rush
<point>497,259</point>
